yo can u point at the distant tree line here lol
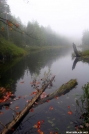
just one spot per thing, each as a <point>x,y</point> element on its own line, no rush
<point>31,35</point>
<point>85,38</point>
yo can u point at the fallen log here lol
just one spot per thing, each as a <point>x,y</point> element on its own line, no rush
<point>23,113</point>
<point>65,88</point>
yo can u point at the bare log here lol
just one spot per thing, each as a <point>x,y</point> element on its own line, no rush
<point>65,88</point>
<point>23,113</point>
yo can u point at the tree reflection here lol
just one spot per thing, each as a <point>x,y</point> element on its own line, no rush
<point>33,63</point>
<point>75,62</point>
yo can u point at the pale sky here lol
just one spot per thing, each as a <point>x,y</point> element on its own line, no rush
<point>67,17</point>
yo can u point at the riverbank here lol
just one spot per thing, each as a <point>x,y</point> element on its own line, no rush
<point>84,53</point>
<point>9,50</point>
<point>36,49</point>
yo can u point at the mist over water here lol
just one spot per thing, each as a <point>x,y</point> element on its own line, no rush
<point>68,18</point>
<point>40,34</point>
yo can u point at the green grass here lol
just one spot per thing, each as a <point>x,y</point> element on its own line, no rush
<point>82,53</point>
<point>85,53</point>
<point>7,47</point>
<point>10,48</point>
<point>83,108</point>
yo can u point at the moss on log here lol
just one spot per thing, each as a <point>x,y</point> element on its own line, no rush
<point>65,88</point>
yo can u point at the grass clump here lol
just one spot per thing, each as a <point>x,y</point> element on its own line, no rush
<point>83,109</point>
<point>8,48</point>
<point>85,53</point>
<point>82,53</point>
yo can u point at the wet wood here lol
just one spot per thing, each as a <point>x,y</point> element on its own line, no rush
<point>9,127</point>
<point>75,50</point>
<point>65,88</point>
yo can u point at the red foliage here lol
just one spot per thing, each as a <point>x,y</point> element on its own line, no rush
<point>51,108</point>
<point>48,100</point>
<point>32,110</point>
<point>70,112</point>
<point>6,97</point>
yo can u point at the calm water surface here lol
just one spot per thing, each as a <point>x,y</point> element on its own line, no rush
<point>23,70</point>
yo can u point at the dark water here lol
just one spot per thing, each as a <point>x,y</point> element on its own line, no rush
<point>60,64</point>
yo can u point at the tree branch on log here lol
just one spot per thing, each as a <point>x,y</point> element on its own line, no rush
<point>65,88</point>
<point>24,112</point>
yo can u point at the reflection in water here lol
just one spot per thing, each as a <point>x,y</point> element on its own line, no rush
<point>77,59</point>
<point>56,119</point>
<point>14,70</point>
<point>45,58</point>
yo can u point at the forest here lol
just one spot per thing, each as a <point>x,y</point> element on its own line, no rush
<point>16,38</point>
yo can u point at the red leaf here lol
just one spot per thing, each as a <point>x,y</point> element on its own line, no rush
<point>17,113</point>
<point>16,107</point>
<point>68,106</point>
<point>38,126</point>
<point>56,97</point>
<point>22,82</point>
<point>39,130</point>
<point>33,93</point>
<point>70,112</point>
<point>51,108</point>
<point>48,100</point>
<point>39,123</point>
<point>19,97</point>
<point>6,107</point>
<point>32,110</point>
<point>51,132</point>
<point>1,112</point>
<point>35,126</point>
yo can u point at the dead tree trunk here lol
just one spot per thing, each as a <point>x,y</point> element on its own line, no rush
<point>75,50</point>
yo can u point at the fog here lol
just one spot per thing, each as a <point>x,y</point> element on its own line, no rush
<point>66,17</point>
